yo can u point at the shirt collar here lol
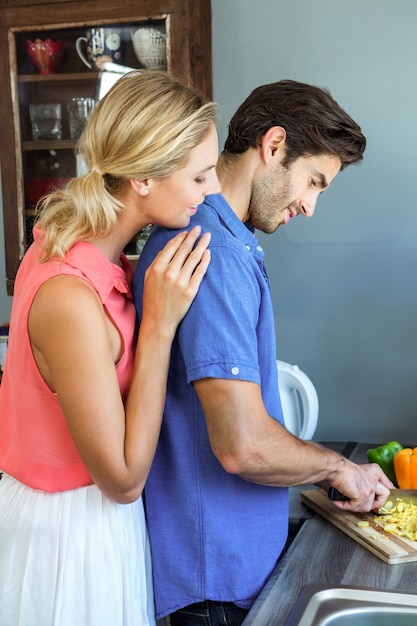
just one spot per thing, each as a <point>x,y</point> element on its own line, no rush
<point>244,231</point>
<point>97,268</point>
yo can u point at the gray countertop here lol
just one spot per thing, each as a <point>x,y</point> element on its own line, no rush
<point>321,553</point>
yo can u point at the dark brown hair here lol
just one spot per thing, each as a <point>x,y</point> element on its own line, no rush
<point>313,121</point>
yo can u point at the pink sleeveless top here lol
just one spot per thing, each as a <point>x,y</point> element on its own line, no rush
<point>35,444</point>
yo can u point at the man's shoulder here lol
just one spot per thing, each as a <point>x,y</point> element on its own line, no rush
<point>207,217</point>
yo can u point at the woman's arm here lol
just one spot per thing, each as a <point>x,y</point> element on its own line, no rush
<point>76,347</point>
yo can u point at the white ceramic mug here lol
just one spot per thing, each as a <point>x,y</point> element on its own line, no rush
<point>102,45</point>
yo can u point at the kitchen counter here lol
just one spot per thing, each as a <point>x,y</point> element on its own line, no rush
<point>324,554</point>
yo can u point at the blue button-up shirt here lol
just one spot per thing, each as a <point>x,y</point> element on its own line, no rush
<point>214,535</point>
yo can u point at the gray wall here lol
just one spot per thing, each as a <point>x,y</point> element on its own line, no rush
<point>343,282</point>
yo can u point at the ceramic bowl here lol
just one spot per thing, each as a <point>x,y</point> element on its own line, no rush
<point>150,47</point>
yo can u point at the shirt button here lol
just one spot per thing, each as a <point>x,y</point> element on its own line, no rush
<point>235,371</point>
<point>247,247</point>
<point>259,248</point>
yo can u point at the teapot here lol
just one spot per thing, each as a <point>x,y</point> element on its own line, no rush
<point>102,45</point>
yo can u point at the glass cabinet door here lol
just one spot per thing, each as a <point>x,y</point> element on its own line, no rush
<point>58,81</point>
<point>61,74</point>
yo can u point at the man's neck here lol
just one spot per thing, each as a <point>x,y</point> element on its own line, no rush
<point>235,175</point>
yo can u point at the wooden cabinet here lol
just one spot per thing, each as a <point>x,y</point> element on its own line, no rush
<point>31,165</point>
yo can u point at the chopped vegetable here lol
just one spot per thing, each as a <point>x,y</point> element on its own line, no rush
<point>401,521</point>
<point>384,456</point>
<point>387,508</point>
<point>405,466</point>
<point>363,524</point>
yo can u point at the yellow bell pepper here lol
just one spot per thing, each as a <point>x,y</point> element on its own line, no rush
<point>405,466</point>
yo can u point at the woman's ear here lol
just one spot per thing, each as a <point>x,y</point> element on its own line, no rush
<point>273,142</point>
<point>141,187</point>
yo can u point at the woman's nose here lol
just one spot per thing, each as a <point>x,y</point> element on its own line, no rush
<point>214,184</point>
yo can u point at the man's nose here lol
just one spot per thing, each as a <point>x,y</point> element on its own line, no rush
<point>307,207</point>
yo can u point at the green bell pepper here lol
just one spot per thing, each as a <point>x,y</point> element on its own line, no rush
<point>384,456</point>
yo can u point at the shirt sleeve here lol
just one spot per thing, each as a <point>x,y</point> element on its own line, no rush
<point>218,336</point>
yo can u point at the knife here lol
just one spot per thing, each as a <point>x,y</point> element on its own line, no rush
<point>404,494</point>
<point>334,494</point>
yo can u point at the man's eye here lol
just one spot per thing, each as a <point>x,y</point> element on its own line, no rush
<point>200,181</point>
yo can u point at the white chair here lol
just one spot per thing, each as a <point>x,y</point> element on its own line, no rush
<point>300,403</point>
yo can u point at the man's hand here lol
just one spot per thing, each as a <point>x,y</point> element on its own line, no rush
<point>365,486</point>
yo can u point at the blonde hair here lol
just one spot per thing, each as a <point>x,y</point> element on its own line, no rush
<point>144,127</point>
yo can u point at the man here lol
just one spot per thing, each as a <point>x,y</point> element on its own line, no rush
<point>216,496</point>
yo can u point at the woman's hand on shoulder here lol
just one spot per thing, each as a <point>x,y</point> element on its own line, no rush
<point>173,279</point>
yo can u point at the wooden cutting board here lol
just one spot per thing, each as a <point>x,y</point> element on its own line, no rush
<point>388,547</point>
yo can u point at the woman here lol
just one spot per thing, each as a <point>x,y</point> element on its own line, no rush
<point>80,414</point>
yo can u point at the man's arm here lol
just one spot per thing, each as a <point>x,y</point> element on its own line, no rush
<point>250,443</point>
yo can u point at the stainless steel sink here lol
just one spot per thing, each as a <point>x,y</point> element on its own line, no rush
<point>328,605</point>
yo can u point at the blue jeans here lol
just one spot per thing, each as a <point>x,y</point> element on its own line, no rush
<point>209,613</point>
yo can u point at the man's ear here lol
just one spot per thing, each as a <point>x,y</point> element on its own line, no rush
<point>141,187</point>
<point>273,142</point>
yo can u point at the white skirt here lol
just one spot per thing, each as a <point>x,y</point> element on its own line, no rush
<point>73,558</point>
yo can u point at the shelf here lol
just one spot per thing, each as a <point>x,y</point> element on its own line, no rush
<point>57,78</point>
<point>58,144</point>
